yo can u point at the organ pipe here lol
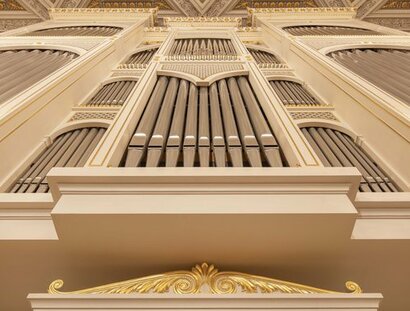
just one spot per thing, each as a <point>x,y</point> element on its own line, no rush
<point>388,69</point>
<point>328,31</point>
<point>71,149</point>
<point>139,59</point>
<point>262,57</point>
<point>293,94</point>
<point>203,49</point>
<point>20,69</point>
<point>103,31</point>
<point>221,125</point>
<point>112,94</point>
<point>337,149</point>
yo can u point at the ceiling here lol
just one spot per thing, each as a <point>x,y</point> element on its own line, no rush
<point>18,13</point>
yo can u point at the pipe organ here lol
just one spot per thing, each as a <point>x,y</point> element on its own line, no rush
<point>318,30</point>
<point>203,48</point>
<point>215,126</point>
<point>71,149</point>
<point>262,57</point>
<point>22,68</point>
<point>337,149</point>
<point>293,94</point>
<point>388,69</point>
<point>139,59</point>
<point>102,31</point>
<point>112,94</point>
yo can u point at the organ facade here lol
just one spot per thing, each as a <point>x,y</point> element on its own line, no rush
<point>274,145</point>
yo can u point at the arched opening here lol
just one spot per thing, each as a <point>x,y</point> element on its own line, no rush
<point>388,69</point>
<point>337,149</point>
<point>293,94</point>
<point>220,125</point>
<point>112,94</point>
<point>324,30</point>
<point>141,58</point>
<point>70,149</point>
<point>21,68</point>
<point>263,57</point>
<point>97,31</point>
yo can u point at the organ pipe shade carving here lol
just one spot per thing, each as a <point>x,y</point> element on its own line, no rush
<point>262,57</point>
<point>388,69</point>
<point>218,125</point>
<point>293,94</point>
<point>71,149</point>
<point>139,59</point>
<point>203,49</point>
<point>337,149</point>
<point>328,31</point>
<point>100,31</point>
<point>20,69</point>
<point>112,94</point>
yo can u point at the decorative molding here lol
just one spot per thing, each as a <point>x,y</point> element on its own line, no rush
<point>243,4</point>
<point>325,115</point>
<point>272,66</point>
<point>280,72</point>
<point>202,71</point>
<point>203,21</point>
<point>202,278</point>
<point>127,72</point>
<point>93,115</point>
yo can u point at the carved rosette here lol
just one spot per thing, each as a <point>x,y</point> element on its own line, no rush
<point>201,279</point>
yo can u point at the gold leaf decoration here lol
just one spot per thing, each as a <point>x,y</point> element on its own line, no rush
<point>202,278</point>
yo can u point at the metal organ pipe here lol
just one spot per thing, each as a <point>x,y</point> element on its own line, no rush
<point>20,69</point>
<point>337,149</point>
<point>71,149</point>
<point>293,94</point>
<point>112,94</point>
<point>328,31</point>
<point>103,31</point>
<point>385,68</point>
<point>263,57</point>
<point>221,125</point>
<point>202,48</point>
<point>141,58</point>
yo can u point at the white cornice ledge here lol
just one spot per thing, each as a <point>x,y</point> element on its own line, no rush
<point>204,181</point>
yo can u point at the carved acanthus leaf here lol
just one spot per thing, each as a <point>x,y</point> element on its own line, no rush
<point>202,278</point>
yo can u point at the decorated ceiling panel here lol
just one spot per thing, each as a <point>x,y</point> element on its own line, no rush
<point>397,5</point>
<point>10,5</point>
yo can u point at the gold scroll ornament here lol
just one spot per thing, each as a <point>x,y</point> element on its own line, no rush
<point>201,279</point>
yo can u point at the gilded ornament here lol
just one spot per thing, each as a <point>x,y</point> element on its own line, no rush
<point>201,279</point>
